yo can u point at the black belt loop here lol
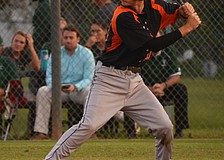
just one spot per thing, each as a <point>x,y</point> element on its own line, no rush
<point>130,68</point>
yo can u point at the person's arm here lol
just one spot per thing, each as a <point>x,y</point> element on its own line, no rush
<point>158,88</point>
<point>91,41</point>
<point>89,66</point>
<point>35,62</point>
<point>193,22</point>
<point>129,29</point>
<point>49,72</point>
<point>157,44</point>
<point>171,81</point>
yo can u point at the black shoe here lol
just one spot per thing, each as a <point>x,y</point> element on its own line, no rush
<point>179,134</point>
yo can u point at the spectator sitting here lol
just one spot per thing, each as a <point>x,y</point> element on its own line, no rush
<point>162,76</point>
<point>97,39</point>
<point>22,52</point>
<point>77,73</point>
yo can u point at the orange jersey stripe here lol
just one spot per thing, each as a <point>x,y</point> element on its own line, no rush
<point>116,40</point>
<point>166,18</point>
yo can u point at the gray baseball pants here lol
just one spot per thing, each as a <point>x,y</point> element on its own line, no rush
<point>113,90</point>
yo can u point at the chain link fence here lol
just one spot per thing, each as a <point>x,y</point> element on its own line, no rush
<point>200,56</point>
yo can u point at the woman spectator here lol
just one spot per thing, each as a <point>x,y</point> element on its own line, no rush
<point>22,52</point>
<point>96,41</point>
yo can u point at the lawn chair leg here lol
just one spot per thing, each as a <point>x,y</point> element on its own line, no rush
<point>9,121</point>
<point>7,131</point>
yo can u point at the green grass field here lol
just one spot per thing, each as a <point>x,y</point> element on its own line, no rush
<point>203,141</point>
<point>206,108</point>
<point>119,149</point>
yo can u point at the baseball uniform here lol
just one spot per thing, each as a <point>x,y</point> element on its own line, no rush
<point>117,84</point>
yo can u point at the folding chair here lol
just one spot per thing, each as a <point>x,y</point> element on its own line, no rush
<point>12,100</point>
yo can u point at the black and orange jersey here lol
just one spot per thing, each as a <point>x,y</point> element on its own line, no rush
<point>131,37</point>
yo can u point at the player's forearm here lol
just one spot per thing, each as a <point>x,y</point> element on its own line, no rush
<point>193,21</point>
<point>157,44</point>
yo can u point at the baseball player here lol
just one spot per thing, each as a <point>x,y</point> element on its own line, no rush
<point>117,84</point>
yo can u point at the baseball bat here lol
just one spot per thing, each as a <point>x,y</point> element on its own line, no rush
<point>181,2</point>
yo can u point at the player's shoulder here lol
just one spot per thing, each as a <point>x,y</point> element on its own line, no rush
<point>124,15</point>
<point>122,11</point>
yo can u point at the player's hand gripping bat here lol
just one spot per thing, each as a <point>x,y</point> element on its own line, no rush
<point>182,3</point>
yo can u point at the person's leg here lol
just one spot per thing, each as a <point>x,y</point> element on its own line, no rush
<point>106,98</point>
<point>37,80</point>
<point>144,108</point>
<point>75,105</point>
<point>178,93</point>
<point>43,110</point>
